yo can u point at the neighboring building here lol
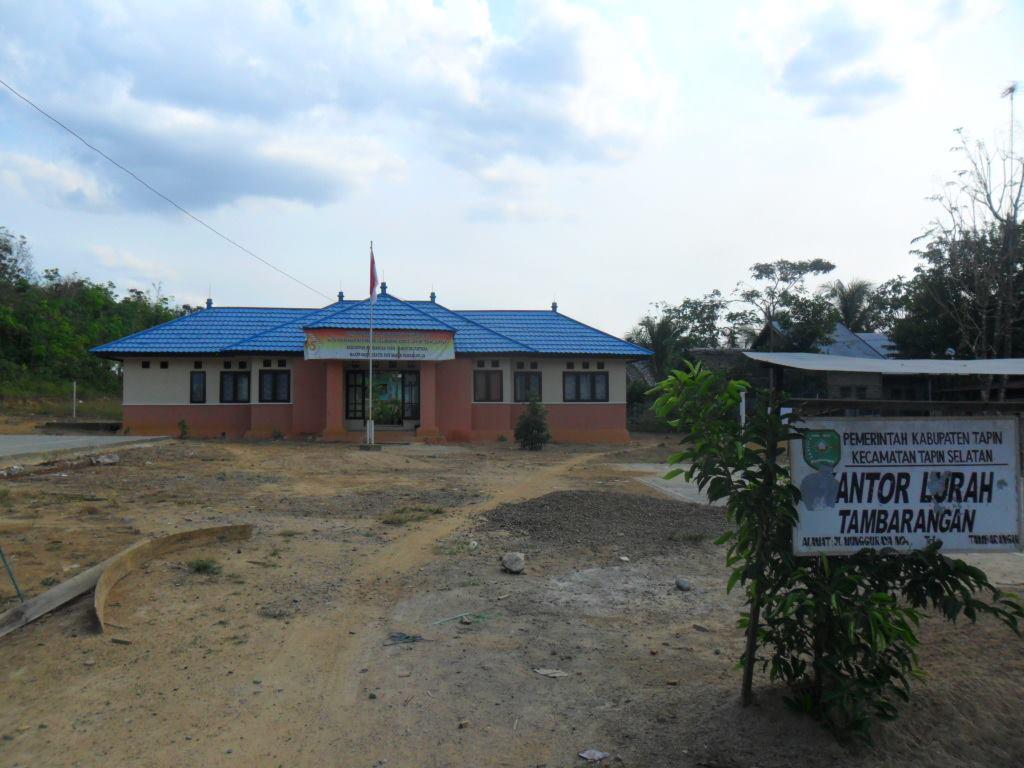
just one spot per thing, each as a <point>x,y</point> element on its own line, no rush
<point>863,383</point>
<point>438,373</point>
<point>845,384</point>
<point>846,343</point>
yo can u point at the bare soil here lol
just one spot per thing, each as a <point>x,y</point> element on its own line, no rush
<point>289,657</point>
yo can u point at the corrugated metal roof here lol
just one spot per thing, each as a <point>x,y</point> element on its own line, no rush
<point>251,329</point>
<point>846,343</point>
<point>879,342</point>
<point>807,361</point>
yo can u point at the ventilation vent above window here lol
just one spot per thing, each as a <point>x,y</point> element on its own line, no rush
<point>145,363</point>
<point>163,364</point>
<point>198,364</point>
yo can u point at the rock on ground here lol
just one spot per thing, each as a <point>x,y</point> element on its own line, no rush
<point>513,562</point>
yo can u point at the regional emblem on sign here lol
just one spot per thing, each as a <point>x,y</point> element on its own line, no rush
<point>823,449</point>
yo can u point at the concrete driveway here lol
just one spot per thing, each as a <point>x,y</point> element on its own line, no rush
<point>27,445</point>
<point>654,476</point>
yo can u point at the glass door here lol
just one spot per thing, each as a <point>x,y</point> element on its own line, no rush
<point>396,396</point>
<point>387,399</point>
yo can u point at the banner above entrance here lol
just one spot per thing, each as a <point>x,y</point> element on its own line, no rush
<point>354,344</point>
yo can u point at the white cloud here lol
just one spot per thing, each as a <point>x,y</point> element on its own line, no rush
<point>302,100</point>
<point>63,183</point>
<point>143,271</point>
<point>846,58</point>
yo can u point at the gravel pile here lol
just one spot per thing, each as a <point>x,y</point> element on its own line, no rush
<point>596,520</point>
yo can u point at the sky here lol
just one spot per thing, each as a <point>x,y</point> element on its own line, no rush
<point>607,154</point>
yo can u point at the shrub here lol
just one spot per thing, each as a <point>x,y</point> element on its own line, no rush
<point>532,428</point>
<point>182,429</point>
<point>205,566</point>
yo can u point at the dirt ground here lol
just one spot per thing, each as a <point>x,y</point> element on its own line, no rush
<point>289,657</point>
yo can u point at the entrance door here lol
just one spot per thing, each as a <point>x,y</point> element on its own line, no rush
<point>387,399</point>
<point>396,396</point>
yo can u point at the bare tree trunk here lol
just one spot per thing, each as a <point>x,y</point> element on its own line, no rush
<point>771,449</point>
<point>750,654</point>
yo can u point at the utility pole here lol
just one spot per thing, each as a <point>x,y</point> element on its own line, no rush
<point>1011,91</point>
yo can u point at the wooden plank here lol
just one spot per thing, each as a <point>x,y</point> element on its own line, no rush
<point>64,592</point>
<point>127,561</point>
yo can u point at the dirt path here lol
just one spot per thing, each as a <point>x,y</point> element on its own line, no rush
<point>330,649</point>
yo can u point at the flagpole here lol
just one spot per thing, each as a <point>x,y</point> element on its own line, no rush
<point>369,415</point>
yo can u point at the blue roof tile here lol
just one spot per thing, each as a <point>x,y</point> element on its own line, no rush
<point>549,332</point>
<point>471,336</point>
<point>288,336</point>
<point>389,313</point>
<point>231,330</point>
<point>208,330</point>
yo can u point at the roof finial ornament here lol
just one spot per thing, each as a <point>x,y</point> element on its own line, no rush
<point>433,297</point>
<point>209,303</point>
<point>341,295</point>
<point>383,289</point>
<point>554,306</point>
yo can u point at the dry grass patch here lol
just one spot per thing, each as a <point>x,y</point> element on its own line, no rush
<point>406,515</point>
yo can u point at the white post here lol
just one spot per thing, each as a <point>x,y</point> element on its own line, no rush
<point>74,399</point>
<point>369,414</point>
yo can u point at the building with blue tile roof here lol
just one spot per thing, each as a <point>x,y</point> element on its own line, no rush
<point>438,373</point>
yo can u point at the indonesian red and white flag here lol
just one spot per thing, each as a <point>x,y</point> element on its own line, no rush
<point>373,276</point>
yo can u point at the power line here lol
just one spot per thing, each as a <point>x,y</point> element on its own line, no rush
<point>158,193</point>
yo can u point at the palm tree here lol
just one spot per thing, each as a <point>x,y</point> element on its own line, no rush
<point>853,302</point>
<point>661,336</point>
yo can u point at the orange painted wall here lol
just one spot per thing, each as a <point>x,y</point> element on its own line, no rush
<point>585,423</point>
<point>202,420</point>
<point>455,398</point>
<point>308,397</point>
<point>266,419</point>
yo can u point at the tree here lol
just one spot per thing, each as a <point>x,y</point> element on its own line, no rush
<point>15,259</point>
<point>49,322</point>
<point>781,309</point>
<point>698,321</point>
<point>971,282</point>
<point>660,334</point>
<point>853,302</point>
